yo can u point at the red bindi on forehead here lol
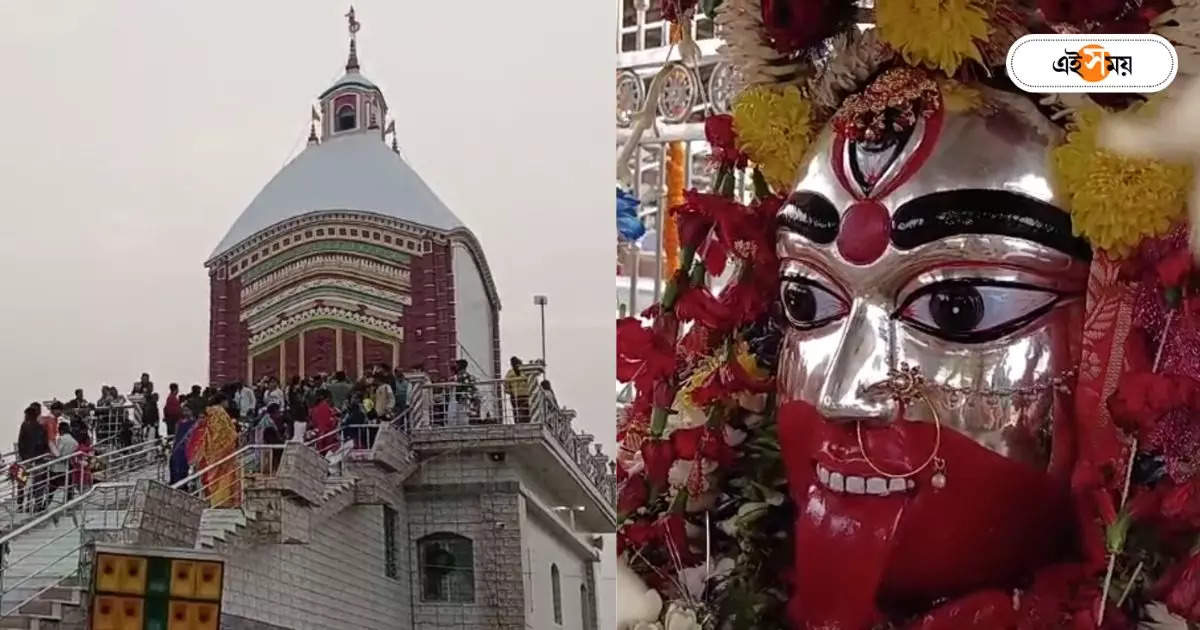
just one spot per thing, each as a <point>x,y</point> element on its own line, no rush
<point>866,228</point>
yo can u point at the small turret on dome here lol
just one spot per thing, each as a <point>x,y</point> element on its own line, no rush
<point>353,104</point>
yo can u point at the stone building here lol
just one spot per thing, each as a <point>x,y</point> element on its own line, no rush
<point>346,259</point>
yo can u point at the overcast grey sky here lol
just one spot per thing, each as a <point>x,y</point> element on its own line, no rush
<point>136,132</point>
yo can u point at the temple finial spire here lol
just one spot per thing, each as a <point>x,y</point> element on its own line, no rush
<point>353,25</point>
<point>312,126</point>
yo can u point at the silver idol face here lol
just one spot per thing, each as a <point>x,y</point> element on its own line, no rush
<point>946,251</point>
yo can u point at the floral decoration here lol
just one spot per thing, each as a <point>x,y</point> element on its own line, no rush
<point>961,27</point>
<point>773,127</point>
<point>1102,186</point>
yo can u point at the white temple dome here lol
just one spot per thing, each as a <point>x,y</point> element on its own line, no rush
<point>354,172</point>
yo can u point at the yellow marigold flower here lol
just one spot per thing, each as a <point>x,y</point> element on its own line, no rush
<point>1116,201</point>
<point>699,375</point>
<point>748,362</point>
<point>937,33</point>
<point>958,98</point>
<point>773,127</point>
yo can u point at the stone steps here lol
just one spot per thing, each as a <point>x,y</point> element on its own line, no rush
<point>220,525</point>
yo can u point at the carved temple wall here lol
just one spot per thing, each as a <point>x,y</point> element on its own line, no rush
<point>344,292</point>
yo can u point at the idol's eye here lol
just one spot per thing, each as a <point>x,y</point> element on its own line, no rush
<point>974,310</point>
<point>807,304</point>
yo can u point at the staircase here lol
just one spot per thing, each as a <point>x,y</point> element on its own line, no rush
<point>44,558</point>
<point>58,607</point>
<point>221,525</point>
<point>43,561</point>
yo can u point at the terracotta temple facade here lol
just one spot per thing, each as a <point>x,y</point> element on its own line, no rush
<point>346,260</point>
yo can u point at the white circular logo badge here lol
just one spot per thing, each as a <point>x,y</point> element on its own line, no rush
<point>1092,63</point>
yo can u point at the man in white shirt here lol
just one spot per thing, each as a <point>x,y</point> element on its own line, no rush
<point>60,470</point>
<point>274,394</point>
<point>246,402</point>
<point>385,400</point>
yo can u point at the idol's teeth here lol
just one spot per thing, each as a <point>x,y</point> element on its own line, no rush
<point>850,484</point>
<point>835,482</point>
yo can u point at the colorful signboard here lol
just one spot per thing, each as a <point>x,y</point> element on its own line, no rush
<point>141,589</point>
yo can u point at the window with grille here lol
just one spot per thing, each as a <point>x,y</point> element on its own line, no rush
<point>556,587</point>
<point>447,563</point>
<point>345,119</point>
<point>390,564</point>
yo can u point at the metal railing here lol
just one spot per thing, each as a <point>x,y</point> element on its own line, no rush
<point>478,402</point>
<point>103,506</point>
<point>222,483</point>
<point>72,474</point>
<point>489,402</point>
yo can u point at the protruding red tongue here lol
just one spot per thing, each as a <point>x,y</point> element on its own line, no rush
<point>842,548</point>
<point>842,543</point>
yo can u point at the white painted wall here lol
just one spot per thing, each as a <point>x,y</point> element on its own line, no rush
<point>606,584</point>
<point>541,550</point>
<point>335,581</point>
<point>472,314</point>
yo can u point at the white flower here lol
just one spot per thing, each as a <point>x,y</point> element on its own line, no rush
<point>687,415</point>
<point>680,470</point>
<point>693,579</point>
<point>755,403</point>
<point>734,437</point>
<point>639,605</point>
<point>635,464</point>
<point>680,618</point>
<point>723,567</point>
<point>1159,618</point>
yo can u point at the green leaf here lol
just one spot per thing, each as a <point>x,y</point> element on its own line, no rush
<point>1114,534</point>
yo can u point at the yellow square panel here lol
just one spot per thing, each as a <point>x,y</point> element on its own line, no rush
<point>208,580</point>
<point>193,616</point>
<point>105,613</point>
<point>206,617</point>
<point>183,578</point>
<point>108,572</point>
<point>179,616</point>
<point>133,575</point>
<point>117,613</point>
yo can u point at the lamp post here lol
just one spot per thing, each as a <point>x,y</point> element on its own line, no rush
<point>540,302</point>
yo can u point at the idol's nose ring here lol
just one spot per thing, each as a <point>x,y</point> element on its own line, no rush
<point>903,384</point>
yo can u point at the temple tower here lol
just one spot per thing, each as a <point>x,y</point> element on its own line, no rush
<point>346,259</point>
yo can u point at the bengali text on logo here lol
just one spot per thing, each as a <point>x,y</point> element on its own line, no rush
<point>1092,63</point>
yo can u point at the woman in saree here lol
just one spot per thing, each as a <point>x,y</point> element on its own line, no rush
<point>210,443</point>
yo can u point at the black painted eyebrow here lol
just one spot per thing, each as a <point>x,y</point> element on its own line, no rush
<point>980,211</point>
<point>812,216</point>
